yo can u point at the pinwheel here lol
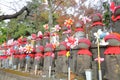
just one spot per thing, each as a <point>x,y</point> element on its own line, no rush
<point>57,27</point>
<point>21,49</point>
<point>68,23</point>
<point>40,35</point>
<point>86,19</point>
<point>71,41</point>
<point>100,36</point>
<point>46,27</point>
<point>28,48</point>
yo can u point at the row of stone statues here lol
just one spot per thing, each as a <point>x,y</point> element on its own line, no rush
<point>46,56</point>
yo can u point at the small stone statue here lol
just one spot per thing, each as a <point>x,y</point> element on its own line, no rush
<point>96,24</point>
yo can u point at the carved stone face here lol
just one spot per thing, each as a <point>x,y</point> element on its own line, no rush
<point>64,36</point>
<point>78,25</point>
<point>39,49</point>
<point>79,35</point>
<point>46,41</point>
<point>38,42</point>
<point>113,42</point>
<point>48,49</point>
<point>96,17</point>
<point>62,47</point>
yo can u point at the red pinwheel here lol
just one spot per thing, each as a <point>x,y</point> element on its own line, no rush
<point>68,23</point>
<point>112,6</point>
<point>21,49</point>
<point>71,41</point>
<point>46,34</point>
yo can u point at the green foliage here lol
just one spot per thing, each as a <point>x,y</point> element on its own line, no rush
<point>3,32</point>
<point>107,14</point>
<point>106,18</point>
<point>19,28</point>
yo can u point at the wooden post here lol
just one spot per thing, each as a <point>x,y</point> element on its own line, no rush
<point>26,68</point>
<point>68,55</point>
<point>35,69</point>
<point>99,66</point>
<point>68,72</point>
<point>49,71</point>
<point>19,67</point>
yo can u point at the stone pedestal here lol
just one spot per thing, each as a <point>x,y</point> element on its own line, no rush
<point>22,63</point>
<point>83,63</point>
<point>15,62</point>
<point>95,63</point>
<point>113,67</point>
<point>30,63</point>
<point>39,63</point>
<point>73,60</point>
<point>47,64</point>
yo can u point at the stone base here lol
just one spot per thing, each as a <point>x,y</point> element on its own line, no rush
<point>83,63</point>
<point>113,67</point>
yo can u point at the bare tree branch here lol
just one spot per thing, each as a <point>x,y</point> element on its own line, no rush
<point>57,6</point>
<point>15,15</point>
